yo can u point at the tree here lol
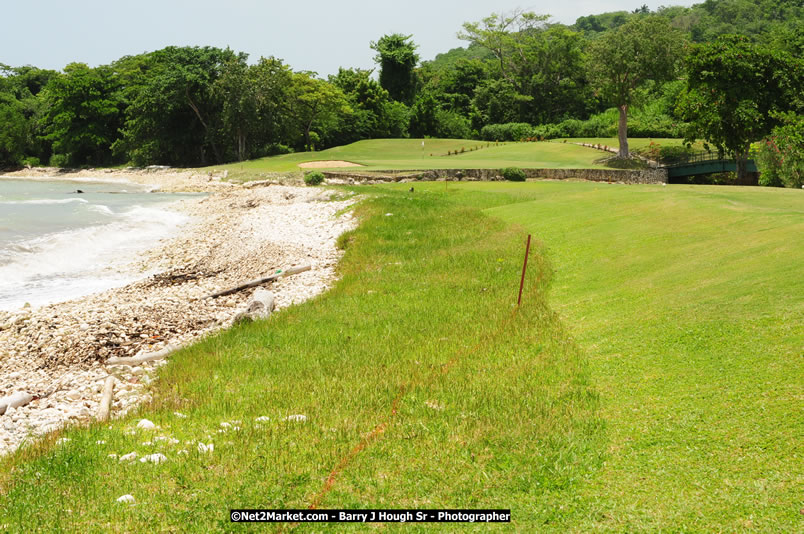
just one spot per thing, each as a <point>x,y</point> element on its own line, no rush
<point>542,62</point>
<point>736,93</point>
<point>423,116</point>
<point>644,48</point>
<point>396,55</point>
<point>239,119</point>
<point>508,36</point>
<point>272,81</point>
<point>23,113</point>
<point>83,115</point>
<point>369,103</point>
<point>311,100</point>
<point>175,115</point>
<point>498,102</point>
<point>13,134</point>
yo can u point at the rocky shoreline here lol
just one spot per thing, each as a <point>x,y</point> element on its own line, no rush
<point>58,353</point>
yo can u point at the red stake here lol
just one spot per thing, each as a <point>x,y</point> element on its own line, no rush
<point>524,268</point>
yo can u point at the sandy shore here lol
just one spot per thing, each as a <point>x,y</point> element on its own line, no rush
<point>58,352</point>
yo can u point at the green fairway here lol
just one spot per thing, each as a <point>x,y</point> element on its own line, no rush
<point>689,302</point>
<point>650,382</point>
<point>408,154</point>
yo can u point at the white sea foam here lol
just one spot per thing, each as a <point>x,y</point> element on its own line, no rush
<point>100,208</point>
<point>72,263</point>
<point>45,201</point>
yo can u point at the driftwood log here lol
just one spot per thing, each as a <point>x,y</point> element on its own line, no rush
<point>15,400</point>
<point>260,306</point>
<point>260,281</point>
<point>142,358</point>
<point>105,407</point>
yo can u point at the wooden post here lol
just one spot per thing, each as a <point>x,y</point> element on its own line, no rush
<point>524,268</point>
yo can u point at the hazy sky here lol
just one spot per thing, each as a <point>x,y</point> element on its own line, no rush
<point>308,35</point>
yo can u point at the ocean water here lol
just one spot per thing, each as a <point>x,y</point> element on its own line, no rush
<point>57,244</point>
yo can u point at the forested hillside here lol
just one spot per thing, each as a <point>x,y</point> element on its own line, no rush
<point>520,76</point>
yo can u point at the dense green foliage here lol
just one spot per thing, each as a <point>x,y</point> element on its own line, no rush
<point>736,91</point>
<point>191,106</point>
<point>781,155</point>
<point>537,68</point>
<point>510,131</point>
<point>397,58</point>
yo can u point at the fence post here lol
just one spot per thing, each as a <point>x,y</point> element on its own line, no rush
<point>524,268</point>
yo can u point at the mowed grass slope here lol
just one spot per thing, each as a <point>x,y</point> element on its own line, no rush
<point>689,302</point>
<point>408,154</point>
<point>421,384</point>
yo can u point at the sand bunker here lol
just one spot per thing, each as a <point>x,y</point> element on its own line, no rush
<point>328,164</point>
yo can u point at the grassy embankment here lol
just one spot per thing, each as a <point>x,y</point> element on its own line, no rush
<point>482,406</point>
<point>686,308</point>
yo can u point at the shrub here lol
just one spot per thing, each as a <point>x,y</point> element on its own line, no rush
<point>275,149</point>
<point>31,162</point>
<point>768,164</point>
<point>513,174</point>
<point>313,178</point>
<point>510,131</point>
<point>781,156</point>
<point>59,160</point>
<point>451,125</point>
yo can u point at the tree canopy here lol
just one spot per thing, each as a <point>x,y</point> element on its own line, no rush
<point>737,91</point>
<point>642,49</point>
<point>397,58</point>
<point>521,76</point>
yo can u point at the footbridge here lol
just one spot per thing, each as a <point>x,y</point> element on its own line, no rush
<point>704,163</point>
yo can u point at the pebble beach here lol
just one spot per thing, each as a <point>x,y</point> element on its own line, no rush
<point>58,352</point>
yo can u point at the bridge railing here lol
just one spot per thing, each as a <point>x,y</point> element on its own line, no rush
<point>694,157</point>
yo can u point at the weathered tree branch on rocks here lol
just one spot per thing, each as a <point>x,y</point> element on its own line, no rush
<point>15,400</point>
<point>105,407</point>
<point>142,358</point>
<point>259,281</point>
<point>260,306</point>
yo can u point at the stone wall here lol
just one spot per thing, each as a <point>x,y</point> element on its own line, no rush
<point>639,176</point>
